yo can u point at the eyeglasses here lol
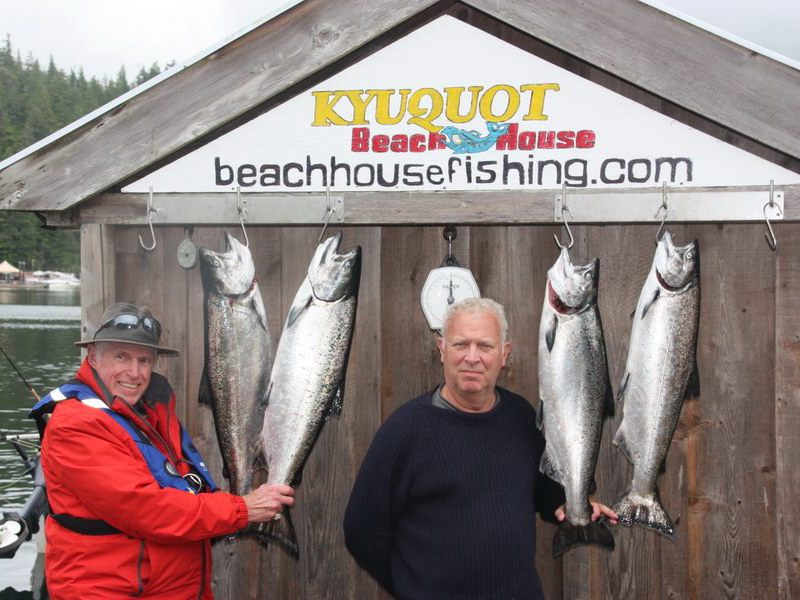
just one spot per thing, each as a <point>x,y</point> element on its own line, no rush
<point>149,324</point>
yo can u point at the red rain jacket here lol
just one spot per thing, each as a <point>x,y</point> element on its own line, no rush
<point>94,470</point>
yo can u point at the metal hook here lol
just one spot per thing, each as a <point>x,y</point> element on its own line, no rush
<point>770,236</point>
<point>328,213</point>
<point>242,214</point>
<point>150,210</point>
<point>665,207</point>
<point>564,210</point>
<point>449,233</point>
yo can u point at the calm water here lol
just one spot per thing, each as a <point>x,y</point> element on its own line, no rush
<point>37,330</point>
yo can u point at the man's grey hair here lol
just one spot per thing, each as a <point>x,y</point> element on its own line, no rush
<point>102,346</point>
<point>477,306</point>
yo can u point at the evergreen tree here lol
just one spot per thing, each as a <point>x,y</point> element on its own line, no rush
<point>33,104</point>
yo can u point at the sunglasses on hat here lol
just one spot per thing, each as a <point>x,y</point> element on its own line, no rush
<point>128,322</point>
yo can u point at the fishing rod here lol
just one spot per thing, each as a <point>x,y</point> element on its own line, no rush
<point>18,527</point>
<point>21,376</point>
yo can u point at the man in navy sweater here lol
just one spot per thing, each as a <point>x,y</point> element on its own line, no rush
<point>444,505</point>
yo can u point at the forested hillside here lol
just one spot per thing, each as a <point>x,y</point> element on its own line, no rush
<point>35,102</point>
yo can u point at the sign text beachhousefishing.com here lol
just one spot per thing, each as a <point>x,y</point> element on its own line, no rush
<point>427,113</point>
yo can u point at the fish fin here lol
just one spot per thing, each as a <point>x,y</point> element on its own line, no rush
<point>298,478</point>
<point>693,385</point>
<point>335,409</point>
<point>568,536</point>
<point>608,402</point>
<point>645,511</point>
<point>623,386</point>
<point>550,467</point>
<point>301,301</point>
<point>650,302</point>
<point>261,312</point>
<point>620,442</point>
<point>265,398</point>
<point>281,533</point>
<point>540,415</point>
<point>259,460</point>
<point>633,314</point>
<point>204,394</point>
<point>550,334</point>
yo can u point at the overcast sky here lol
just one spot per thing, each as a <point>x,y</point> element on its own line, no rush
<point>103,35</point>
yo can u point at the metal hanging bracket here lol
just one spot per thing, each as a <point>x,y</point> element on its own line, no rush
<point>561,215</point>
<point>330,210</point>
<point>685,205</point>
<point>770,235</point>
<point>150,211</point>
<point>242,211</point>
<point>449,234</point>
<point>665,207</point>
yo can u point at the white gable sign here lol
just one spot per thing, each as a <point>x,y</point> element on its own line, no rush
<point>450,107</point>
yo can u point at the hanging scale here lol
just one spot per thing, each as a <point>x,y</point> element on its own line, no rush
<point>446,284</point>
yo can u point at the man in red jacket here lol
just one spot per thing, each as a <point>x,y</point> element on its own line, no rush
<point>132,508</point>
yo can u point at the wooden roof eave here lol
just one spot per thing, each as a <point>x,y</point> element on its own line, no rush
<point>202,98</point>
<point>746,92</point>
<point>729,84</point>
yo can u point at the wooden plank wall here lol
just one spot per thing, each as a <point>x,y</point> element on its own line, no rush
<point>731,475</point>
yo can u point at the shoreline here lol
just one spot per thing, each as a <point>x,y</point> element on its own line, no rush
<point>51,287</point>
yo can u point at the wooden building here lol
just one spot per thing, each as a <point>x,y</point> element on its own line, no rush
<point>605,102</point>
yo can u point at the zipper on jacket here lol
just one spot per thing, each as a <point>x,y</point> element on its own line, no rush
<point>140,583</point>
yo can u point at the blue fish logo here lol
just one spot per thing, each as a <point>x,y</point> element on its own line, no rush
<point>461,141</point>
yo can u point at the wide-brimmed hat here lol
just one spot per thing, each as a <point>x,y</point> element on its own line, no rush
<point>128,323</point>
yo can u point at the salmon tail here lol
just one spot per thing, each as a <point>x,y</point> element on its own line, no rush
<point>259,462</point>
<point>568,536</point>
<point>693,385</point>
<point>280,532</point>
<point>646,511</point>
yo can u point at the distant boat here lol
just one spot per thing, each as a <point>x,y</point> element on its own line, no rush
<point>53,280</point>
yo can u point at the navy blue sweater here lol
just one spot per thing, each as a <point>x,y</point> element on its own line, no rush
<point>444,504</point>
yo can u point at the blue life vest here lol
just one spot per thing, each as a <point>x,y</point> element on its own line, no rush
<point>164,472</point>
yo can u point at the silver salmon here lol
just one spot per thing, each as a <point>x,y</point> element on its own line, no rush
<point>237,357</point>
<point>660,372</point>
<point>575,395</point>
<point>308,374</point>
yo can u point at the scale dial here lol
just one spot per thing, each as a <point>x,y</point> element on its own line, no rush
<point>443,287</point>
<point>187,253</point>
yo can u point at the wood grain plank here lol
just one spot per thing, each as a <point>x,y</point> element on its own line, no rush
<point>98,274</point>
<point>502,207</point>
<point>410,362</point>
<point>361,416</point>
<point>787,411</point>
<point>172,314</point>
<point>731,485</point>
<point>625,253</point>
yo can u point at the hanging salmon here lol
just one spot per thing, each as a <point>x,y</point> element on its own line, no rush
<point>575,395</point>
<point>237,357</point>
<point>660,372</point>
<point>307,382</point>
